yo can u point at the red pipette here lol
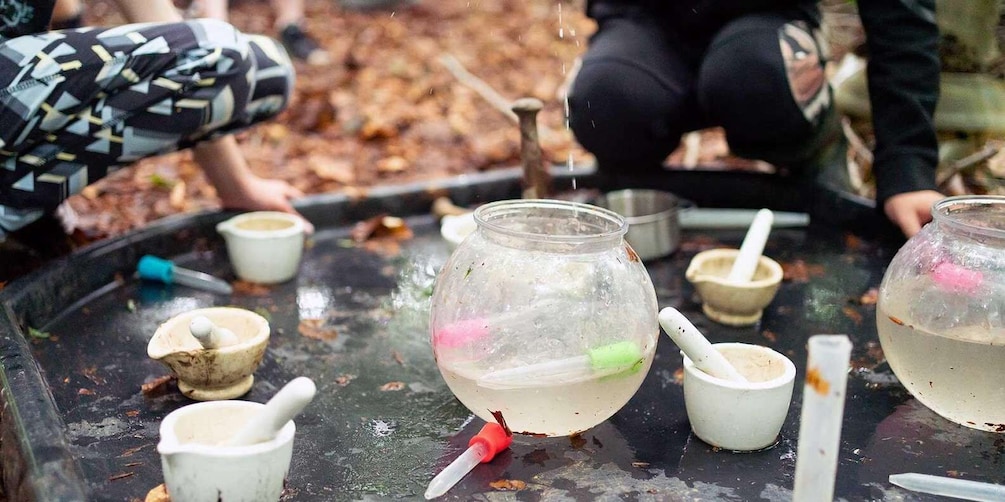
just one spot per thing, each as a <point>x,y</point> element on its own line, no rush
<point>489,441</point>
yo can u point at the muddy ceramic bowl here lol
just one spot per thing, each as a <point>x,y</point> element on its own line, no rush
<point>729,302</point>
<point>212,374</point>
<point>653,224</point>
<point>197,467</point>
<point>740,416</point>
<point>264,246</point>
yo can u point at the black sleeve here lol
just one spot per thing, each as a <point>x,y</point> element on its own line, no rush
<point>903,74</point>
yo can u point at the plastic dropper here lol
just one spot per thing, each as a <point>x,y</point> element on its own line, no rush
<point>949,487</point>
<point>159,269</point>
<point>596,363</point>
<point>489,441</point>
<point>753,245</point>
<point>696,347</point>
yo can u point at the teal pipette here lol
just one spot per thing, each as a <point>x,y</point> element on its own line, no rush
<point>158,269</point>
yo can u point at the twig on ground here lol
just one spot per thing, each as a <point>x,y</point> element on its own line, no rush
<point>498,101</point>
<point>957,167</point>
<point>478,85</point>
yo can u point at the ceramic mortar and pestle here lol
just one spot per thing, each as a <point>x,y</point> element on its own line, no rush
<point>232,450</point>
<point>736,285</point>
<point>737,395</point>
<point>214,352</point>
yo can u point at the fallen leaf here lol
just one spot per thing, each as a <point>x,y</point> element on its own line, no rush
<point>178,197</point>
<point>769,336</point>
<point>316,329</point>
<point>510,485</point>
<point>381,225</point>
<point>343,380</point>
<point>392,386</point>
<point>394,164</point>
<point>85,392</point>
<point>157,386</point>
<point>158,494</point>
<point>37,333</point>
<point>250,288</point>
<point>852,314</point>
<point>869,297</point>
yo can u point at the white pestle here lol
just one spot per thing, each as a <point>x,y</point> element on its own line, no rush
<point>210,335</point>
<point>696,347</point>
<point>752,247</point>
<point>286,404</point>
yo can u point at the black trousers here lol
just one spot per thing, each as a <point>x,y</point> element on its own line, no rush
<point>760,77</point>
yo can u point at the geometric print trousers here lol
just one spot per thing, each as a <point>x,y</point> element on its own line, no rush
<point>78,104</point>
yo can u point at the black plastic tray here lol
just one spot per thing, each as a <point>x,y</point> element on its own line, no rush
<point>76,426</point>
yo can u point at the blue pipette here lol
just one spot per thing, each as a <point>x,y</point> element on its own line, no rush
<point>159,269</point>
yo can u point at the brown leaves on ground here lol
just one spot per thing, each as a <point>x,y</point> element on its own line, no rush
<point>381,226</point>
<point>801,272</point>
<point>157,387</point>
<point>384,111</point>
<point>158,494</point>
<point>247,288</point>
<point>508,485</point>
<point>392,386</point>
<point>317,329</point>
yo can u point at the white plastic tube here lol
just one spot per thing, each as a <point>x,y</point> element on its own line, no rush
<point>456,471</point>
<point>822,413</point>
<point>949,487</point>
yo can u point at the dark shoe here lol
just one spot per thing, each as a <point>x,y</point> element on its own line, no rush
<point>367,5</point>
<point>301,46</point>
<point>73,22</point>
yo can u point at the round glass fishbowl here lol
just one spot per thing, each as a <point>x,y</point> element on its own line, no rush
<point>544,319</point>
<point>941,312</point>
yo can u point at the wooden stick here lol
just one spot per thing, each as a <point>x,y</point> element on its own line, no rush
<point>986,152</point>
<point>478,85</point>
<point>498,101</point>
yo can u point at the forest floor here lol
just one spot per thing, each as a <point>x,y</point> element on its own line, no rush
<point>403,99</point>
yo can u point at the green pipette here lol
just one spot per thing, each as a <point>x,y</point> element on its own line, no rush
<point>620,357</point>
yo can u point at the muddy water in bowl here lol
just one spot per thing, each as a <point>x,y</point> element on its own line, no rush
<point>740,416</point>
<point>264,246</point>
<point>653,222</point>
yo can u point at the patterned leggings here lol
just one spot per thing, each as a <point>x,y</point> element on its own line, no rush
<point>78,104</point>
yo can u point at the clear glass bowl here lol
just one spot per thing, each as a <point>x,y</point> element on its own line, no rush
<point>544,318</point>
<point>941,312</point>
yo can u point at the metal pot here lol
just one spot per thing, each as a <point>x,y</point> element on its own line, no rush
<point>652,216</point>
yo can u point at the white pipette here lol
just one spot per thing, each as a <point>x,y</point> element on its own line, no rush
<point>210,335</point>
<point>286,404</point>
<point>696,346</point>
<point>483,447</point>
<point>949,487</point>
<point>752,247</point>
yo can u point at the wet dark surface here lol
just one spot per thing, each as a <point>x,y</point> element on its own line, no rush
<point>96,437</point>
